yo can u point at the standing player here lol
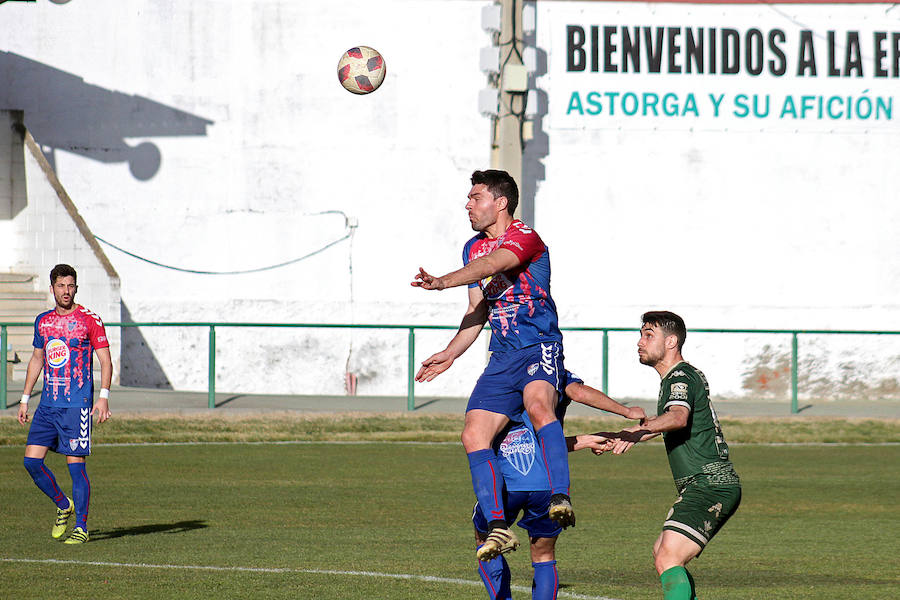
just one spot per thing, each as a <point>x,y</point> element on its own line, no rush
<point>526,491</point>
<point>709,490</point>
<point>64,339</point>
<point>507,270</point>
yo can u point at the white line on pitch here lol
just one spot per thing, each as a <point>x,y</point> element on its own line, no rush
<point>425,578</point>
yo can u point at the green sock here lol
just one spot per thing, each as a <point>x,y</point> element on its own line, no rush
<point>693,589</point>
<point>676,584</point>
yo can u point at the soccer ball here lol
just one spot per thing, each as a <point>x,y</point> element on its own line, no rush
<point>361,70</point>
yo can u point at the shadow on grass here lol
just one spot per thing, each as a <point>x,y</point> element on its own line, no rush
<point>179,527</point>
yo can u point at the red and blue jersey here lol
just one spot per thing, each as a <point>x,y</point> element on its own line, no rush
<point>68,342</point>
<point>520,309</point>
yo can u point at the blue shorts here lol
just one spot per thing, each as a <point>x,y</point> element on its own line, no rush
<point>64,430</point>
<point>532,505</point>
<point>500,387</point>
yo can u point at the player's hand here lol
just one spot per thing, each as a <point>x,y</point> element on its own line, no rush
<point>621,446</point>
<point>23,414</point>
<point>627,438</point>
<point>434,365</point>
<point>427,282</point>
<point>597,443</point>
<point>101,409</point>
<point>636,413</point>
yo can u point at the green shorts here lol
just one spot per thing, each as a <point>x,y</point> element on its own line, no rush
<point>701,511</point>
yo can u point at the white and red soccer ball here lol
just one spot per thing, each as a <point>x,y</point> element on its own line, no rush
<point>361,70</point>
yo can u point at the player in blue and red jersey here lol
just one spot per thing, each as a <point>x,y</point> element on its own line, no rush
<point>65,339</point>
<point>507,270</point>
<point>526,490</point>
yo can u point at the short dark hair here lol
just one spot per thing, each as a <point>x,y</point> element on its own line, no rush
<point>499,183</point>
<point>669,322</point>
<point>62,270</point>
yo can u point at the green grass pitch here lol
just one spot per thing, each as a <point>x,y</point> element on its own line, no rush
<point>391,520</point>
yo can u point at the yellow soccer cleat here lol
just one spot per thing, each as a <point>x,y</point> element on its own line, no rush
<point>561,511</point>
<point>62,520</point>
<point>499,541</point>
<point>78,536</point>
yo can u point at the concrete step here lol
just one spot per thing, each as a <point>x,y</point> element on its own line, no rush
<point>23,306</point>
<point>4,293</point>
<point>18,282</point>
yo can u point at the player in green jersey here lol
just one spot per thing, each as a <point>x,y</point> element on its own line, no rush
<point>709,490</point>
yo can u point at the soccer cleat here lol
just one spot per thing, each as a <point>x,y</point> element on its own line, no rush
<point>62,520</point>
<point>78,536</point>
<point>561,510</point>
<point>499,541</point>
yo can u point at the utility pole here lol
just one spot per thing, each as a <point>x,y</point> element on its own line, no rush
<point>506,138</point>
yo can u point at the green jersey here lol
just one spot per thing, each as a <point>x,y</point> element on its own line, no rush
<point>698,452</point>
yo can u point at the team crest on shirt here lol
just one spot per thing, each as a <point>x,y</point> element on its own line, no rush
<point>70,326</point>
<point>57,353</point>
<point>518,449</point>
<point>679,391</point>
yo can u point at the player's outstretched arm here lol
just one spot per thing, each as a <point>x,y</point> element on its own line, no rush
<point>497,261</point>
<point>32,372</point>
<point>676,417</point>
<point>598,443</point>
<point>472,324</point>
<point>585,394</point>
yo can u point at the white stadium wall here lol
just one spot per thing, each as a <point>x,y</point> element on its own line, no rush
<point>214,136</point>
<point>735,218</point>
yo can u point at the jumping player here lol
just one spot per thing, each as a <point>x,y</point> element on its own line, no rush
<point>709,490</point>
<point>526,490</point>
<point>64,340</point>
<point>507,270</point>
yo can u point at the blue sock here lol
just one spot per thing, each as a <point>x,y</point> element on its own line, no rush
<point>487,481</point>
<point>546,581</point>
<point>553,446</point>
<point>44,479</point>
<point>81,493</point>
<point>495,575</point>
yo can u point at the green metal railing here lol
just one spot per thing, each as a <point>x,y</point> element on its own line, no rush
<point>411,347</point>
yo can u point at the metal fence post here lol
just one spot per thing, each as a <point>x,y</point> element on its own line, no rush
<point>212,366</point>
<point>3,382</point>
<point>794,407</point>
<point>605,381</point>
<point>410,386</point>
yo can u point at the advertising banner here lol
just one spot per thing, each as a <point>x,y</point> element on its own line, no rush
<point>763,67</point>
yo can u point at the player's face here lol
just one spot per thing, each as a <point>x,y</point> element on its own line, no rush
<point>652,345</point>
<point>482,207</point>
<point>64,289</point>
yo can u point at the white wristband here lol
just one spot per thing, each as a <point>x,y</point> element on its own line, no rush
<point>25,398</point>
<point>104,393</point>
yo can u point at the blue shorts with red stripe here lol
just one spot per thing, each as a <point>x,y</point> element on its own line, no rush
<point>66,431</point>
<point>500,387</point>
<point>534,507</point>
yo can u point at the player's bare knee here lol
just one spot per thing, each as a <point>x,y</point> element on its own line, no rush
<point>663,561</point>
<point>540,412</point>
<point>468,440</point>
